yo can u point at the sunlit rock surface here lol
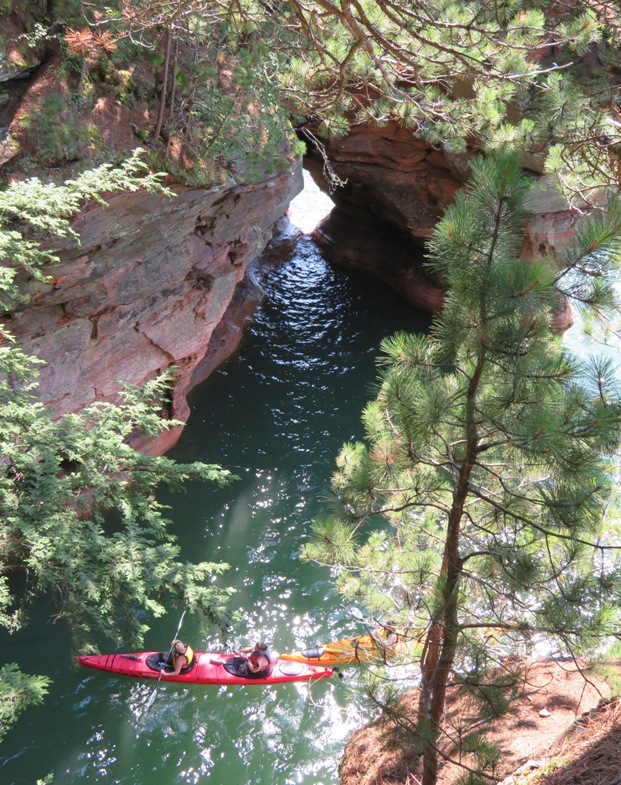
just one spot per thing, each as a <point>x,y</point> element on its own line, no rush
<point>149,287</point>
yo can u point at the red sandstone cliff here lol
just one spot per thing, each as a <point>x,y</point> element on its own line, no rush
<point>396,187</point>
<point>153,282</point>
<point>147,288</point>
<point>156,281</point>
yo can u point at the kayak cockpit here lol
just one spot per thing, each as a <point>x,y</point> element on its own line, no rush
<point>159,662</point>
<point>316,653</point>
<point>237,666</point>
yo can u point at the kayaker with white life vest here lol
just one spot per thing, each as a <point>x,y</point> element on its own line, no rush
<point>259,660</point>
<point>182,656</point>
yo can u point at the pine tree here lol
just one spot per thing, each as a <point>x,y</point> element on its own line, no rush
<point>487,471</point>
<point>18,691</point>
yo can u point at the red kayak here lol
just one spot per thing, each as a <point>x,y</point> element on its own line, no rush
<point>206,668</point>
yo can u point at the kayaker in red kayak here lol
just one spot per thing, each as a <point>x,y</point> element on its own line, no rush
<point>258,663</point>
<point>182,656</point>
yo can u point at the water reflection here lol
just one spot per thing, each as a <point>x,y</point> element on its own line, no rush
<point>291,397</point>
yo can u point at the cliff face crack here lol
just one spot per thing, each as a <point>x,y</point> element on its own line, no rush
<point>204,226</point>
<point>199,280</point>
<point>172,360</point>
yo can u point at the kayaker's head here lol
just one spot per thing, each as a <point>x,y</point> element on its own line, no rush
<point>180,647</point>
<point>261,646</point>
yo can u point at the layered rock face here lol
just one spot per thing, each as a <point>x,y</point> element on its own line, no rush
<point>150,286</point>
<point>395,189</point>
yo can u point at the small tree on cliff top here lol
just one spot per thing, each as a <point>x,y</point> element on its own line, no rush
<point>488,458</point>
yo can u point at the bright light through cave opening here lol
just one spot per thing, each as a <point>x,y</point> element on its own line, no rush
<point>310,206</point>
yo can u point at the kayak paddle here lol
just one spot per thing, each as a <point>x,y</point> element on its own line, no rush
<point>159,678</point>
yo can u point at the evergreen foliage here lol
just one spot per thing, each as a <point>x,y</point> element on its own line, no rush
<point>479,506</point>
<point>80,523</point>
<point>80,516</point>
<point>211,73</point>
<point>18,691</point>
<point>481,74</point>
<point>31,210</point>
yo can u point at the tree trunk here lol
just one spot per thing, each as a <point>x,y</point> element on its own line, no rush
<point>160,114</point>
<point>172,98</point>
<point>441,643</point>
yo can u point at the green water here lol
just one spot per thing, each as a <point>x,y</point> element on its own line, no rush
<point>276,414</point>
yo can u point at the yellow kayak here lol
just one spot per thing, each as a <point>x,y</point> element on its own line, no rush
<point>378,646</point>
